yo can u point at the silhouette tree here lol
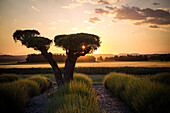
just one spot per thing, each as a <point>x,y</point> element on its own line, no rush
<point>75,45</point>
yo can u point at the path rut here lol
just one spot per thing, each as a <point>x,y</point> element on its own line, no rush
<point>108,102</point>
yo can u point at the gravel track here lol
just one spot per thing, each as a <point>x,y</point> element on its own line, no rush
<point>108,102</point>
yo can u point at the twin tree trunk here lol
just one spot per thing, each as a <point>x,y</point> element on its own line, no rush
<point>68,70</point>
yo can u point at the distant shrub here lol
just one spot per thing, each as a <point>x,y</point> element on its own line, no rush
<point>8,78</point>
<point>76,97</point>
<point>162,78</point>
<point>143,96</point>
<point>82,78</point>
<point>13,97</point>
<point>41,80</point>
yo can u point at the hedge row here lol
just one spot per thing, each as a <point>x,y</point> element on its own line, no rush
<point>142,95</point>
<point>91,70</point>
<point>14,95</point>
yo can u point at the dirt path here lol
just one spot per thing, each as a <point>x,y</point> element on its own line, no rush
<point>108,102</point>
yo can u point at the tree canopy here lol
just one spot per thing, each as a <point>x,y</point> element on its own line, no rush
<point>21,34</point>
<point>80,43</point>
<point>31,39</point>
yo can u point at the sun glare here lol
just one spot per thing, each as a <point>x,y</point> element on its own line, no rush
<point>97,51</point>
<point>83,47</point>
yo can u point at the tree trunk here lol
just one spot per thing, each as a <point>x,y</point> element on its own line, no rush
<point>69,67</point>
<point>56,69</point>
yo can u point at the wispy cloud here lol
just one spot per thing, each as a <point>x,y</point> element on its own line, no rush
<point>101,11</point>
<point>155,3</point>
<point>60,20</point>
<point>94,21</point>
<point>88,11</point>
<point>74,29</point>
<point>153,26</point>
<point>89,28</point>
<point>52,28</point>
<point>106,2</point>
<point>72,5</point>
<point>36,9</point>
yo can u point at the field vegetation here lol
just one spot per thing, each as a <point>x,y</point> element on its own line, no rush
<point>75,97</point>
<point>90,70</point>
<point>142,95</point>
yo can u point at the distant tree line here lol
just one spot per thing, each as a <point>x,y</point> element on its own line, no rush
<point>32,58</point>
<point>160,57</point>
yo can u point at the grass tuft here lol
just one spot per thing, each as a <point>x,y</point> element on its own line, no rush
<point>41,80</point>
<point>82,78</point>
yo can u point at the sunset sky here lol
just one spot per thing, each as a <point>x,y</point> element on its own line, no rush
<point>125,26</point>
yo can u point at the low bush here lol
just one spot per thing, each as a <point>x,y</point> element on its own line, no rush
<point>8,78</point>
<point>73,103</point>
<point>41,80</point>
<point>82,78</point>
<point>162,78</point>
<point>32,87</point>
<point>78,88</point>
<point>143,96</point>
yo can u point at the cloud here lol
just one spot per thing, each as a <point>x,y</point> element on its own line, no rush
<point>119,0</point>
<point>114,21</point>
<point>74,29</point>
<point>111,8</point>
<point>87,11</point>
<point>153,26</point>
<point>94,21</point>
<point>34,8</point>
<point>101,11</point>
<point>89,28</point>
<point>129,13</point>
<point>103,2</point>
<point>60,20</point>
<point>152,17</point>
<point>156,21</point>
<point>106,2</point>
<point>156,3</point>
<point>72,5</point>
